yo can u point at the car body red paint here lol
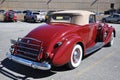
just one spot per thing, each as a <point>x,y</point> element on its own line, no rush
<point>57,39</point>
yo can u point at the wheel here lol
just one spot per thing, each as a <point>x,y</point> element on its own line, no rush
<point>111,40</point>
<point>104,20</point>
<point>34,21</point>
<point>76,57</point>
<point>25,20</point>
<point>14,20</point>
<point>104,36</point>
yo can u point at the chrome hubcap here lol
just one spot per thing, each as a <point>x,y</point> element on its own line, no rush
<point>105,35</point>
<point>76,55</point>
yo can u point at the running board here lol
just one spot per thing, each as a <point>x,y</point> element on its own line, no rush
<point>97,46</point>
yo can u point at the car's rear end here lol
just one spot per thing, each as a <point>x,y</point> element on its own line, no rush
<point>10,16</point>
<point>28,51</point>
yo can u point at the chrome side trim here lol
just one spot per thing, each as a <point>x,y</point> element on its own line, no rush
<point>35,65</point>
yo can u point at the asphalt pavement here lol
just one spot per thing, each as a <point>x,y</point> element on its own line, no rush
<point>103,64</point>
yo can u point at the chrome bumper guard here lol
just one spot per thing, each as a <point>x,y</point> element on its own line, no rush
<point>35,65</point>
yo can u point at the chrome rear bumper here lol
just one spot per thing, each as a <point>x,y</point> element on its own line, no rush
<point>35,65</point>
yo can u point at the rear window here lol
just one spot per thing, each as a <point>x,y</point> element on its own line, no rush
<point>116,16</point>
<point>62,18</point>
<point>36,13</point>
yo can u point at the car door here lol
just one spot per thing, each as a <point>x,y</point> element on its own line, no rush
<point>83,32</point>
<point>109,18</point>
<point>115,17</point>
<point>92,31</point>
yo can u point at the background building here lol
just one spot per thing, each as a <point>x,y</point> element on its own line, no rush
<point>91,5</point>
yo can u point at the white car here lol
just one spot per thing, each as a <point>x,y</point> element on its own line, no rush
<point>35,16</point>
<point>112,18</point>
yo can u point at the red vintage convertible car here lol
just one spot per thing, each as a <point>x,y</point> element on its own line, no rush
<point>66,38</point>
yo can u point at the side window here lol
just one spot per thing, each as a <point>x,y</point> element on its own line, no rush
<point>92,19</point>
<point>115,16</point>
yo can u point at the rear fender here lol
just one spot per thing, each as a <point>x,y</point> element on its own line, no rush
<point>63,53</point>
<point>108,38</point>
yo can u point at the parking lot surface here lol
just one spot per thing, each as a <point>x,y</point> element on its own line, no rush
<point>103,64</point>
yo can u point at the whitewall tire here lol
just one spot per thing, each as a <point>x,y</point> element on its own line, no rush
<point>111,40</point>
<point>76,57</point>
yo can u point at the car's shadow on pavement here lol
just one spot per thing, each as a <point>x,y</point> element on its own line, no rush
<point>23,70</point>
<point>28,72</point>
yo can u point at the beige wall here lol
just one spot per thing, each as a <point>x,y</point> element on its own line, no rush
<point>99,6</point>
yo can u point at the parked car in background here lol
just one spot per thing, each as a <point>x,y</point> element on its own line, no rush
<point>10,16</point>
<point>27,11</point>
<point>48,14</point>
<point>35,16</point>
<point>66,38</point>
<point>2,11</point>
<point>115,18</point>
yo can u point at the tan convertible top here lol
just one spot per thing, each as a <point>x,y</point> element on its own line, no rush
<point>79,12</point>
<point>80,17</point>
